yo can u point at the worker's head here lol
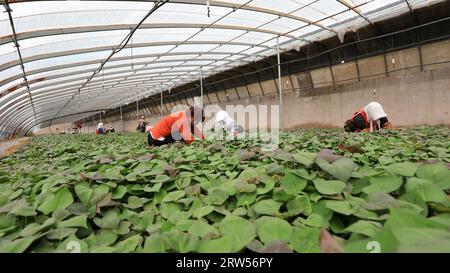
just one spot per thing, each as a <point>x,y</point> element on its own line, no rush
<point>349,126</point>
<point>196,114</point>
<point>142,117</point>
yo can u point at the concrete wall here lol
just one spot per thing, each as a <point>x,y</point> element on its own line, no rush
<point>412,92</point>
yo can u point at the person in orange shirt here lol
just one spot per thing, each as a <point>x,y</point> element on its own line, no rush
<point>178,126</point>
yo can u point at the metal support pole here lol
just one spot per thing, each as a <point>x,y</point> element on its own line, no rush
<point>201,86</point>
<point>161,101</point>
<point>137,107</point>
<point>280,86</point>
<point>121,117</point>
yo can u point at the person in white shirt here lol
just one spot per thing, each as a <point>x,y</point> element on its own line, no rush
<point>226,123</point>
<point>371,117</point>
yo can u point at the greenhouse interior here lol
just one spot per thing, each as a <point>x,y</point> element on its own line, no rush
<point>225,126</point>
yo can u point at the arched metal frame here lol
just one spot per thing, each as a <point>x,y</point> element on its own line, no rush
<point>58,85</point>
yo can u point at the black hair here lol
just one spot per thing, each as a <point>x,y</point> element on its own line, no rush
<point>196,112</point>
<point>383,120</point>
<point>349,126</point>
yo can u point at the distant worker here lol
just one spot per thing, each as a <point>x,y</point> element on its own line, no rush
<point>177,126</point>
<point>79,127</point>
<point>371,117</point>
<point>110,130</point>
<point>141,125</point>
<point>226,123</point>
<point>100,129</point>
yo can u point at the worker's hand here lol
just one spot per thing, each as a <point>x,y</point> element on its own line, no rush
<point>366,130</point>
<point>388,125</point>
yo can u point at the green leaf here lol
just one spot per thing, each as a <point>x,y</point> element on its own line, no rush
<point>315,220</point>
<point>241,230</point>
<point>329,187</point>
<point>292,184</point>
<point>173,196</point>
<point>155,188</point>
<point>342,207</point>
<point>268,186</point>
<point>224,244</point>
<point>402,168</point>
<point>109,220</point>
<point>60,233</point>
<point>113,174</point>
<point>155,243</point>
<point>300,204</point>
<point>243,186</point>
<point>383,184</point>
<point>99,194</point>
<point>106,237</point>
<point>202,211</point>
<point>305,158</point>
<point>23,211</point>
<point>368,228</point>
<point>180,241</point>
<point>34,228</point>
<point>132,177</point>
<point>380,201</point>
<point>216,197</point>
<point>422,240</point>
<point>119,192</point>
<point>134,202</point>
<point>305,240</point>
<point>436,173</point>
<point>18,245</point>
<point>61,200</point>
<point>84,192</point>
<point>128,245</point>
<point>399,218</point>
<point>273,229</point>
<point>202,229</point>
<point>77,221</point>
<point>161,178</point>
<point>267,207</point>
<point>245,199</point>
<point>341,169</point>
<point>429,191</point>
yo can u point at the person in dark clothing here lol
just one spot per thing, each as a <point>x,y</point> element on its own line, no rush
<point>110,130</point>
<point>141,125</point>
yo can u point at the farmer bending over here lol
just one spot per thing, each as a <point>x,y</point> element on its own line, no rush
<point>100,129</point>
<point>371,117</point>
<point>224,122</point>
<point>177,126</point>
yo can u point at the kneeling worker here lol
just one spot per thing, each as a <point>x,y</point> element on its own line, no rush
<point>371,117</point>
<point>100,129</point>
<point>225,122</point>
<point>177,126</point>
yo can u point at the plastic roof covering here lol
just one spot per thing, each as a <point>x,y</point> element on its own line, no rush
<point>63,42</point>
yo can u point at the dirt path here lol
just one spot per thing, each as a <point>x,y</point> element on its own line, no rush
<point>10,146</point>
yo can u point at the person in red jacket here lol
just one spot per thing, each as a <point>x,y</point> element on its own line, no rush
<point>371,117</point>
<point>178,126</point>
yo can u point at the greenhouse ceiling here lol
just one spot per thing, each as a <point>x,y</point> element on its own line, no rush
<point>59,58</point>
